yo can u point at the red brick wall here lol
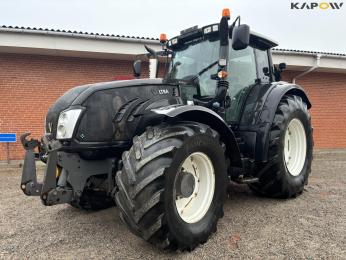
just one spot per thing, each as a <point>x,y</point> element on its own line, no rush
<point>29,84</point>
<point>327,93</point>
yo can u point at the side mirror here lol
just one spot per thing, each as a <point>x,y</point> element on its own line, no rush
<point>241,37</point>
<point>137,67</point>
<point>282,66</point>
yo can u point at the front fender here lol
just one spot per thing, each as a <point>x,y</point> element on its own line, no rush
<point>209,117</point>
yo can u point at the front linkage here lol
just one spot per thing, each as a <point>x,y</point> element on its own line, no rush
<point>49,191</point>
<point>65,175</point>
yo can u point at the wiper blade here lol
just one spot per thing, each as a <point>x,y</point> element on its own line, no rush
<point>191,78</point>
<point>203,71</point>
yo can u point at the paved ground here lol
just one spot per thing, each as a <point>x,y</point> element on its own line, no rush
<point>310,226</point>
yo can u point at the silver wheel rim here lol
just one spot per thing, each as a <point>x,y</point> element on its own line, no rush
<point>194,208</point>
<point>295,147</point>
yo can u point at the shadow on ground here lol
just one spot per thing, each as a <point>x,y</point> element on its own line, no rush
<point>310,226</point>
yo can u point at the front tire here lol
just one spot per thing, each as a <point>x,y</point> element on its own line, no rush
<point>290,151</point>
<point>153,199</point>
<point>93,201</point>
<point>94,196</point>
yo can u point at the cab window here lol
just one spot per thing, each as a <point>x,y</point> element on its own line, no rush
<point>242,75</point>
<point>263,66</point>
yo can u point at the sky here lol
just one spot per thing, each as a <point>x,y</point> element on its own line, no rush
<point>303,29</point>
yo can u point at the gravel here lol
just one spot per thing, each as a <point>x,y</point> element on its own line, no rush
<point>310,226</point>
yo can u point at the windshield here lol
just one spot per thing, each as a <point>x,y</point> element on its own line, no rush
<point>197,56</point>
<point>191,60</point>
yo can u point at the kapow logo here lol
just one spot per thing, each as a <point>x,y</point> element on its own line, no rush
<point>315,5</point>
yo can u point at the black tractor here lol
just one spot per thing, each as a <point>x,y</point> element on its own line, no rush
<point>164,150</point>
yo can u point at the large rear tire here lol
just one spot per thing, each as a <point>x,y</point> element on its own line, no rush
<point>290,151</point>
<point>173,185</point>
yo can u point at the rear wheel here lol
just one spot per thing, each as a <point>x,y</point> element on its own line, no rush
<point>290,151</point>
<point>173,185</point>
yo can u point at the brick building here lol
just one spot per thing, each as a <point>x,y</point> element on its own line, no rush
<point>37,66</point>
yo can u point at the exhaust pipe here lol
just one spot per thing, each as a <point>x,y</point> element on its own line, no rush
<point>153,62</point>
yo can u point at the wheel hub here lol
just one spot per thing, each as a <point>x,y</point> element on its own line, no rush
<point>185,184</point>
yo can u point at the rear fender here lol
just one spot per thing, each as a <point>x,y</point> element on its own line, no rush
<point>274,97</point>
<point>267,113</point>
<point>205,116</point>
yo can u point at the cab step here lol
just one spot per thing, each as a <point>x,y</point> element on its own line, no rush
<point>246,180</point>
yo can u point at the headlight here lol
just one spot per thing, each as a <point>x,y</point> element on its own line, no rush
<point>66,123</point>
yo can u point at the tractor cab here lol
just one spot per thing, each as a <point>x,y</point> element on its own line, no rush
<point>217,66</point>
<point>194,65</point>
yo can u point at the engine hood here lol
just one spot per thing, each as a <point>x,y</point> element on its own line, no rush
<point>92,88</point>
<point>111,109</point>
<point>77,95</point>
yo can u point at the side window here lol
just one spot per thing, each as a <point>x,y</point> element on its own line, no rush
<point>242,75</point>
<point>242,67</point>
<point>263,66</point>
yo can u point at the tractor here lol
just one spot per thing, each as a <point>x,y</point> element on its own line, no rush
<point>164,150</point>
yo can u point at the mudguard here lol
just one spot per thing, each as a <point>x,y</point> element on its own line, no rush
<point>275,95</point>
<point>259,114</point>
<point>209,117</point>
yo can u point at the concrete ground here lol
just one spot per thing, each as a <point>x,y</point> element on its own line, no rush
<point>312,226</point>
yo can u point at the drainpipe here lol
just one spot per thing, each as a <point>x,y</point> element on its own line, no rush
<point>318,59</point>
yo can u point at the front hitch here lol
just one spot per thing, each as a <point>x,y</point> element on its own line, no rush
<point>29,184</point>
<point>50,193</point>
<point>29,144</point>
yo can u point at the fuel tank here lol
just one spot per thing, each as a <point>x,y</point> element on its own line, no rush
<point>112,111</point>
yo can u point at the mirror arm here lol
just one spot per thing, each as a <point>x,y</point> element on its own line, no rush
<point>233,24</point>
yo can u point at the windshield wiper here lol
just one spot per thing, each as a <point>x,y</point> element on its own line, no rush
<point>191,78</point>
<point>203,71</point>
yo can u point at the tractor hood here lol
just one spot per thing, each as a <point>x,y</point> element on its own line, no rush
<point>111,111</point>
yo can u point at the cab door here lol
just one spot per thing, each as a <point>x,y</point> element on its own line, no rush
<point>249,72</point>
<point>242,77</point>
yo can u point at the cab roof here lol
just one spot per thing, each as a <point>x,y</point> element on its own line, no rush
<point>262,42</point>
<point>190,34</point>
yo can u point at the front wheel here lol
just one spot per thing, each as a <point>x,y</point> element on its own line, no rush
<point>173,185</point>
<point>290,151</point>
<point>93,201</point>
<point>94,196</point>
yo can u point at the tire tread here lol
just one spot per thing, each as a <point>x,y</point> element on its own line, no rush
<point>141,191</point>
